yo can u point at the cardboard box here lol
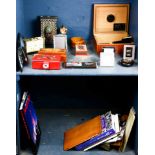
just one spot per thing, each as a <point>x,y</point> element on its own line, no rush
<point>110,24</point>
<point>46,62</point>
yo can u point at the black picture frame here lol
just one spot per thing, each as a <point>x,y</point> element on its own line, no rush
<point>21,55</point>
<point>129,52</point>
<point>20,59</point>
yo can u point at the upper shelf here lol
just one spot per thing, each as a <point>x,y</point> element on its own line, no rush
<point>117,70</point>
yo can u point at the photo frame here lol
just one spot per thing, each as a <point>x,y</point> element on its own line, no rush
<point>21,59</point>
<point>20,41</point>
<point>21,55</point>
<point>60,41</point>
<point>129,52</point>
<point>48,25</point>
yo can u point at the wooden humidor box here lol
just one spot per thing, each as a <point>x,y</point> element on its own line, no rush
<point>110,24</point>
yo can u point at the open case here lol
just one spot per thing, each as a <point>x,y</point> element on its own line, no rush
<point>110,25</point>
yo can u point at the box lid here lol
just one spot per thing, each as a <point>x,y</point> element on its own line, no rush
<point>110,18</point>
<point>47,58</point>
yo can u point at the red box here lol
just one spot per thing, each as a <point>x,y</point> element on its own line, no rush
<point>46,62</point>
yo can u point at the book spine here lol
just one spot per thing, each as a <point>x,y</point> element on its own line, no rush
<point>25,94</point>
<point>95,139</point>
<point>25,125</point>
<point>100,142</point>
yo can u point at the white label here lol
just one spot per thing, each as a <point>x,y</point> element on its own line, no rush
<point>46,65</point>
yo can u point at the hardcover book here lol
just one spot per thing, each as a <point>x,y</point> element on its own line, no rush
<point>128,129</point>
<point>30,122</point>
<point>24,133</point>
<point>82,132</point>
<point>110,129</point>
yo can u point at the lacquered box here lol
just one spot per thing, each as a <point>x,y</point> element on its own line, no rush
<point>77,41</point>
<point>53,51</point>
<point>110,25</point>
<point>46,62</point>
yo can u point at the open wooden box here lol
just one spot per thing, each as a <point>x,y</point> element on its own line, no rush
<point>110,24</point>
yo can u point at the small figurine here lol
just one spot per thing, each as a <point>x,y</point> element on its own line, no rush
<point>63,30</point>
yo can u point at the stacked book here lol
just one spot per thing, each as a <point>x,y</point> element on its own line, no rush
<point>110,129</point>
<point>103,129</point>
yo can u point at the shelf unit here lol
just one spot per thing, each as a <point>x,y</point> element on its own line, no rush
<point>30,78</point>
<point>70,96</point>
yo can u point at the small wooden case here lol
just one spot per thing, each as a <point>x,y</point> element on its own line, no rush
<point>110,24</point>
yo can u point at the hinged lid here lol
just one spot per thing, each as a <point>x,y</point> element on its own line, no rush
<point>111,18</point>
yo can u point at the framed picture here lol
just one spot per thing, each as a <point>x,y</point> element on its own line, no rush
<point>22,59</point>
<point>21,55</point>
<point>129,52</point>
<point>48,28</point>
<point>60,41</point>
<point>20,41</point>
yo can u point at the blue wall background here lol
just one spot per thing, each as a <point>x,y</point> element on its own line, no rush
<point>134,20</point>
<point>20,17</point>
<point>77,15</point>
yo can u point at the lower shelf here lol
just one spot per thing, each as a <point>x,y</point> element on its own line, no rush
<point>54,122</point>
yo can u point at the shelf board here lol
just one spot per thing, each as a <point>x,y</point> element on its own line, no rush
<point>54,122</point>
<point>117,70</point>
